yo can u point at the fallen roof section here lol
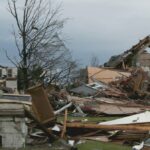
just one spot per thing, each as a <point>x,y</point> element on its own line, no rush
<point>134,119</point>
<point>84,90</point>
<point>105,75</point>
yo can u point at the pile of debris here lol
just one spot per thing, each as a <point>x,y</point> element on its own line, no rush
<point>34,119</point>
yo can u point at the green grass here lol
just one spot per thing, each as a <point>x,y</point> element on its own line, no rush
<point>93,145</point>
<point>92,119</point>
<point>89,144</point>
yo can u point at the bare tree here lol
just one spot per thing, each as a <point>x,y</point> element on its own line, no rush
<point>94,61</point>
<point>36,37</point>
<point>56,59</point>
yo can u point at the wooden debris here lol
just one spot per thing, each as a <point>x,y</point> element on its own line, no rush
<point>112,108</point>
<point>41,105</point>
<point>40,125</point>
<point>64,125</point>
<point>141,127</point>
<point>97,138</point>
<point>63,108</point>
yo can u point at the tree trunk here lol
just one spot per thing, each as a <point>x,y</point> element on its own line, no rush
<point>25,79</point>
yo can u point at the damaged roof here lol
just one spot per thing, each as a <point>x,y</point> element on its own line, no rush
<point>104,74</point>
<point>127,56</point>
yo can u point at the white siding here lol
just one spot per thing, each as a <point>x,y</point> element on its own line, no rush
<point>14,71</point>
<point>11,84</point>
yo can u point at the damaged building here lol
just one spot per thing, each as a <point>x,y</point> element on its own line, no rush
<point>42,117</point>
<point>105,75</point>
<point>137,56</point>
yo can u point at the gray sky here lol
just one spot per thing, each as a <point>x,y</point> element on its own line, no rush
<point>96,27</point>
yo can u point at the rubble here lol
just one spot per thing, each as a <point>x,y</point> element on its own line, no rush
<point>109,92</point>
<point>40,104</point>
<point>100,132</point>
<point>134,119</point>
<point>105,75</point>
<point>43,126</point>
<point>84,90</point>
<point>105,106</point>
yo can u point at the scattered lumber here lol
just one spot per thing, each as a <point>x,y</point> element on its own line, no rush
<point>134,127</point>
<point>40,125</point>
<point>41,105</point>
<point>64,125</point>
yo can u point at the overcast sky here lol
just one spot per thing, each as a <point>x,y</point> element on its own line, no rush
<point>96,27</point>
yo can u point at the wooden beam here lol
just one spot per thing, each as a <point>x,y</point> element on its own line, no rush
<point>110,127</point>
<point>64,127</point>
<point>63,108</point>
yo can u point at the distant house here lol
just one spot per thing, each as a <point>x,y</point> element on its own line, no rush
<point>137,56</point>
<point>8,77</point>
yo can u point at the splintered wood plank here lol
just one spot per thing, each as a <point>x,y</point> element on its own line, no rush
<point>65,121</point>
<point>132,127</point>
<point>41,105</point>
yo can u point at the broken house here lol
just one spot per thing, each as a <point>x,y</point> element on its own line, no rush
<point>97,79</point>
<point>137,56</point>
<point>8,77</point>
<point>104,75</point>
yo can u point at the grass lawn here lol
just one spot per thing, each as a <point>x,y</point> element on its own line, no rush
<point>90,119</point>
<point>93,145</point>
<point>88,145</point>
